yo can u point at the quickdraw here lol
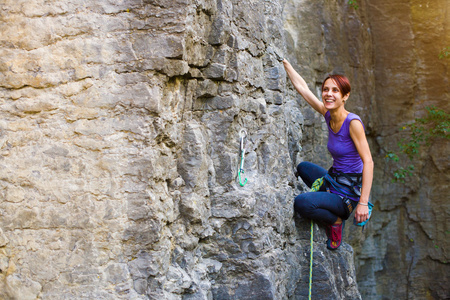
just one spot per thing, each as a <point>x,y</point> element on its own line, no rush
<point>243,137</point>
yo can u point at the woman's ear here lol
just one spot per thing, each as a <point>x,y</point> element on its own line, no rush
<point>345,97</point>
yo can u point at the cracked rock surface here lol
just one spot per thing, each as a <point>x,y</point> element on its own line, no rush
<point>119,153</point>
<point>119,149</point>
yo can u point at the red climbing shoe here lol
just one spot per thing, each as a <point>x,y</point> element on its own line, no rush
<point>334,233</point>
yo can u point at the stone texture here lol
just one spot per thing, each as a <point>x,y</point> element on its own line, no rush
<point>119,150</point>
<point>119,143</point>
<point>120,136</point>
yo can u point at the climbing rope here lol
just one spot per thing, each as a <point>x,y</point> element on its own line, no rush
<point>317,184</point>
<point>243,137</point>
<point>315,187</point>
<point>311,260</point>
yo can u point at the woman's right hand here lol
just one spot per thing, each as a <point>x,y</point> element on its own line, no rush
<point>361,213</point>
<point>301,87</point>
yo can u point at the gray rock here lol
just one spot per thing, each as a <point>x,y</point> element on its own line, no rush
<point>120,149</point>
<point>215,71</point>
<point>220,28</point>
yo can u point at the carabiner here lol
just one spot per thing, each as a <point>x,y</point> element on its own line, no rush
<point>243,136</point>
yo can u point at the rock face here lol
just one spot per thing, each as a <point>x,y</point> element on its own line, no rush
<point>120,134</point>
<point>120,125</point>
<point>406,252</point>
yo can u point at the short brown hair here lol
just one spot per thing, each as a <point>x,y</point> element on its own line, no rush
<point>341,81</point>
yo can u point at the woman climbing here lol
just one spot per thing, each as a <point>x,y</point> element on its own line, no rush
<point>352,161</point>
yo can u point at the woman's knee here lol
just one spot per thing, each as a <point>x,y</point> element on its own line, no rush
<point>303,167</point>
<point>309,172</point>
<point>303,204</point>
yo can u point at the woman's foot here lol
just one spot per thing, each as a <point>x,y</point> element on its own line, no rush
<point>334,233</point>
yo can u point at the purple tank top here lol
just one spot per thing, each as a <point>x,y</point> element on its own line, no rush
<point>346,158</point>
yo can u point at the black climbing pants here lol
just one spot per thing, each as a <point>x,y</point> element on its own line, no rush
<point>319,206</point>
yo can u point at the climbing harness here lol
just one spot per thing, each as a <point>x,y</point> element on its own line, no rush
<point>243,138</point>
<point>348,189</point>
<point>349,185</point>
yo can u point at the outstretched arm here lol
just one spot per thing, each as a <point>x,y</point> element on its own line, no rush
<point>301,86</point>
<point>359,138</point>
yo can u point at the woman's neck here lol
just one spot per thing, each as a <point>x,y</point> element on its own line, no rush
<point>338,115</point>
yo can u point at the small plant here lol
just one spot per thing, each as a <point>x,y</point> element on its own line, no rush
<point>401,173</point>
<point>353,4</point>
<point>445,53</point>
<point>421,131</point>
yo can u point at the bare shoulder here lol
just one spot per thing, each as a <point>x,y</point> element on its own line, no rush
<point>356,128</point>
<point>356,124</point>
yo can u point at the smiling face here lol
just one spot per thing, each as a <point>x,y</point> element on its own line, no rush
<point>332,96</point>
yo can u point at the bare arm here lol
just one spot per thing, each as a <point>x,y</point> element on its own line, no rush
<point>359,138</point>
<point>301,86</point>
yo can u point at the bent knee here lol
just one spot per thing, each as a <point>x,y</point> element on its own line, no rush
<point>303,204</point>
<point>302,166</point>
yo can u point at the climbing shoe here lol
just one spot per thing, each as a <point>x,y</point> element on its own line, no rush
<point>334,233</point>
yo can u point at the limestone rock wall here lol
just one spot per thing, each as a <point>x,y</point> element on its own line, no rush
<point>119,148</point>
<point>119,143</point>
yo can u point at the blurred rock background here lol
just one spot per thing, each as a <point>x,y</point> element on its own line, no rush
<point>406,254</point>
<point>119,136</point>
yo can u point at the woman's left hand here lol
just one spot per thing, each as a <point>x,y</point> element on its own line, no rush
<point>361,213</point>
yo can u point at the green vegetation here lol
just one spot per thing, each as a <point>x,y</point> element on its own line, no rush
<point>445,53</point>
<point>420,134</point>
<point>353,4</point>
